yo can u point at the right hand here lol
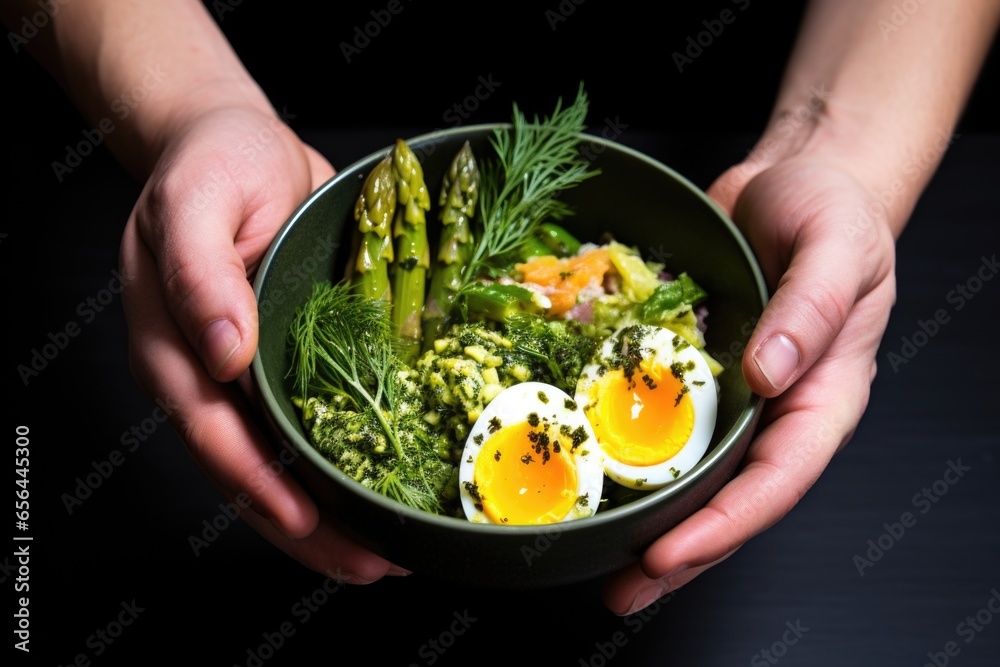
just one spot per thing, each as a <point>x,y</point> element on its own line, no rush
<point>224,183</point>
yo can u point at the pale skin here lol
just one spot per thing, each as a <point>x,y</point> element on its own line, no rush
<point>863,117</point>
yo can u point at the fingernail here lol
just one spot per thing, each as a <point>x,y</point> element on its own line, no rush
<point>647,596</point>
<point>341,578</point>
<point>777,358</point>
<point>219,342</point>
<point>395,571</point>
<point>655,591</point>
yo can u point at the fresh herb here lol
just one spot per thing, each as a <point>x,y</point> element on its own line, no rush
<point>559,349</point>
<point>541,442</point>
<point>536,161</point>
<point>342,351</point>
<point>628,351</point>
<point>680,395</point>
<point>477,499</point>
<point>342,346</point>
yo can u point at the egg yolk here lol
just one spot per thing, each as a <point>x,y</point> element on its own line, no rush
<point>518,484</point>
<point>642,421</point>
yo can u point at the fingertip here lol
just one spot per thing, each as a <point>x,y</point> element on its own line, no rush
<point>226,349</point>
<point>631,590</point>
<point>297,518</point>
<point>623,588</point>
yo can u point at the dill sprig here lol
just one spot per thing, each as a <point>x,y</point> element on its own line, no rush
<point>342,346</point>
<point>535,161</point>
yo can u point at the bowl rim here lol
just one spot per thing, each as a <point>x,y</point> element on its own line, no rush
<point>293,436</point>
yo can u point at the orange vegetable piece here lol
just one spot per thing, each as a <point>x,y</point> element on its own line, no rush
<point>562,279</point>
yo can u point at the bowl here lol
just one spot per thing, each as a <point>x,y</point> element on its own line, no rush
<point>645,204</point>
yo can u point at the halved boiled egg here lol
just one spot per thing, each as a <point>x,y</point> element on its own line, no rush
<point>652,402</point>
<point>531,458</point>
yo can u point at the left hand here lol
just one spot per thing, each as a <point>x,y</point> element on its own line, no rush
<point>812,354</point>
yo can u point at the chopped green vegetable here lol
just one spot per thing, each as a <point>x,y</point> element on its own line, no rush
<point>561,347</point>
<point>669,296</point>
<point>558,241</point>
<point>493,301</point>
<point>469,366</point>
<point>638,279</point>
<point>532,247</point>
<point>343,356</point>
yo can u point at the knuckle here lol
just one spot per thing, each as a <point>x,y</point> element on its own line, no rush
<point>182,277</point>
<point>825,309</point>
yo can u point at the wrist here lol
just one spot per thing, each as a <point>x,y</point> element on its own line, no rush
<point>142,73</point>
<point>892,164</point>
<point>161,124</point>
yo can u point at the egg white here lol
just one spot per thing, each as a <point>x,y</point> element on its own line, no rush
<point>660,347</point>
<point>510,409</point>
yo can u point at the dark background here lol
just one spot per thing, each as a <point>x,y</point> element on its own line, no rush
<point>130,539</point>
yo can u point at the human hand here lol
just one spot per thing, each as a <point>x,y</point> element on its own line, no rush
<point>829,263</point>
<point>224,183</point>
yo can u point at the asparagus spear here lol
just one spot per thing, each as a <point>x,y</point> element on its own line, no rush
<point>409,285</point>
<point>373,211</point>
<point>457,204</point>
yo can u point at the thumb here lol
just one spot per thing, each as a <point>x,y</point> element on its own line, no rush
<point>821,266</point>
<point>191,231</point>
<point>726,189</point>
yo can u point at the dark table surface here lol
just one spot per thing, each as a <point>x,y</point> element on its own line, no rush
<point>892,558</point>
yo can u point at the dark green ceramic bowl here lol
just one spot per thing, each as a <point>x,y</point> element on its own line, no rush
<point>643,203</point>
